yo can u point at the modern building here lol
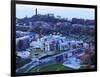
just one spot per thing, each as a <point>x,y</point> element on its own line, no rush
<point>54,42</point>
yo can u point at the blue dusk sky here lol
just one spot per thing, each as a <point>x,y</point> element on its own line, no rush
<point>65,12</point>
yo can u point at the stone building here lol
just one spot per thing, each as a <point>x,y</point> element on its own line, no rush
<point>22,43</point>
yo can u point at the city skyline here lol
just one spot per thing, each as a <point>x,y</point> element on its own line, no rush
<point>65,12</point>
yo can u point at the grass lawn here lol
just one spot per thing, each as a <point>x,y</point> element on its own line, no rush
<point>58,52</point>
<point>37,51</point>
<point>50,67</point>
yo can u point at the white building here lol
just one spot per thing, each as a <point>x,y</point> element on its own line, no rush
<point>53,43</point>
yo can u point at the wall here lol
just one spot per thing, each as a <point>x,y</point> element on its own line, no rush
<point>5,38</point>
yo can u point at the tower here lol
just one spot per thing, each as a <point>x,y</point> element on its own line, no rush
<point>36,11</point>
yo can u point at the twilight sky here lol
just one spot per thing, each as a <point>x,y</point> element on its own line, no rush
<point>65,12</point>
